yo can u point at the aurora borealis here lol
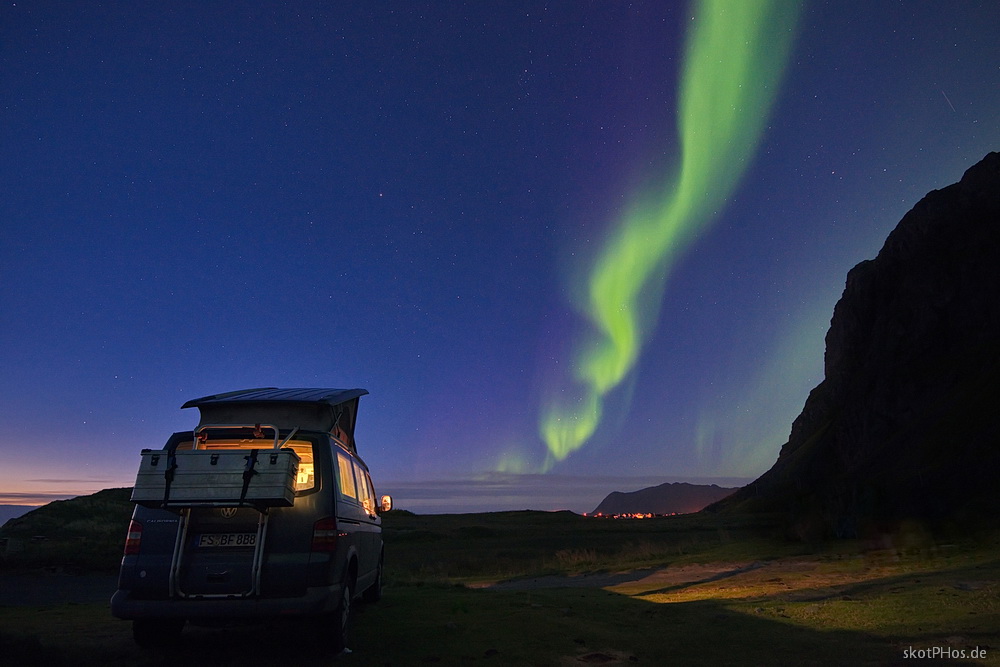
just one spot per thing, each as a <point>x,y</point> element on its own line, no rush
<point>504,220</point>
<point>733,63</point>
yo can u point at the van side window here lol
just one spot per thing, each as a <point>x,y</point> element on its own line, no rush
<point>345,477</point>
<point>365,487</point>
<point>371,490</point>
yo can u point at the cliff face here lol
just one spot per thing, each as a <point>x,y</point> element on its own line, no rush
<point>906,423</point>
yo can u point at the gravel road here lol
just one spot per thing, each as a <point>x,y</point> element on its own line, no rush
<point>43,588</point>
<point>675,576</point>
<point>35,589</point>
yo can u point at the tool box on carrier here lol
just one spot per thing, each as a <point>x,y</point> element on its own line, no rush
<point>257,477</point>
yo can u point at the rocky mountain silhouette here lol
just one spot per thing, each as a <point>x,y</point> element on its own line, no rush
<point>679,497</point>
<point>906,423</point>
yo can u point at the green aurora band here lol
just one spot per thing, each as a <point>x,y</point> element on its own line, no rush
<point>735,55</point>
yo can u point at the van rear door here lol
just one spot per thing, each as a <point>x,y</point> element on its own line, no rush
<point>219,553</point>
<point>219,550</point>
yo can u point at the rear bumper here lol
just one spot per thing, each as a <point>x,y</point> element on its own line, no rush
<point>316,601</point>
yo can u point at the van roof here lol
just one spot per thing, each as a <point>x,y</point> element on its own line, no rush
<point>275,395</point>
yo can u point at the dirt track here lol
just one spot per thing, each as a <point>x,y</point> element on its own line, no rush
<point>678,575</point>
<point>42,588</point>
<point>37,589</point>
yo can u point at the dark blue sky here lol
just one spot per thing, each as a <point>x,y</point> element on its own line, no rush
<point>402,197</point>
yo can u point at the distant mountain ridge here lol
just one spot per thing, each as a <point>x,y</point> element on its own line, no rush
<point>905,425</point>
<point>668,498</point>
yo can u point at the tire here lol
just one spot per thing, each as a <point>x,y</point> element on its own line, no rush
<point>374,592</point>
<point>340,619</point>
<point>156,633</point>
<point>329,629</point>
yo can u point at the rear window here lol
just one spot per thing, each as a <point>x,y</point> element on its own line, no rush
<point>306,479</point>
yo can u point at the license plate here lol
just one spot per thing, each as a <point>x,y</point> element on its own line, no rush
<point>227,540</point>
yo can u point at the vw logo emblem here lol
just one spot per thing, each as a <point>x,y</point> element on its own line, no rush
<point>228,512</point>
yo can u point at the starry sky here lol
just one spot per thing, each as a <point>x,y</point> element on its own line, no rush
<point>415,197</point>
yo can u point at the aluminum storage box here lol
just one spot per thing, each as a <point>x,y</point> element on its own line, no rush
<point>259,477</point>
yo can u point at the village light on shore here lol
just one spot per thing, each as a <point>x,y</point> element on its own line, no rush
<point>629,515</point>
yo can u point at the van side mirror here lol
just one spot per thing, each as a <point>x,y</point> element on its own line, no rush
<point>386,503</point>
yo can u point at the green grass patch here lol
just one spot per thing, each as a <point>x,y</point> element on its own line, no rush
<point>697,590</point>
<point>81,534</point>
<point>504,545</point>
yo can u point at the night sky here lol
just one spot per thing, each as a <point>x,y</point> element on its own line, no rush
<point>414,198</point>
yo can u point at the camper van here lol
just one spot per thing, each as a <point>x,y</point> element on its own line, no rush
<point>264,510</point>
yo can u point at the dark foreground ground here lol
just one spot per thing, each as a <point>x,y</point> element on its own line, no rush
<point>43,588</point>
<point>539,589</point>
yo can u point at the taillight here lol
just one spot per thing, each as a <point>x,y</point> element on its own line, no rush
<point>325,534</point>
<point>133,538</point>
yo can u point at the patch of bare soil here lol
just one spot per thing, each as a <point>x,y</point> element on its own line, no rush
<point>656,578</point>
<point>608,657</point>
<point>47,588</point>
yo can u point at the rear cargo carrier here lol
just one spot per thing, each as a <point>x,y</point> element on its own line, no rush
<point>256,478</point>
<point>206,478</point>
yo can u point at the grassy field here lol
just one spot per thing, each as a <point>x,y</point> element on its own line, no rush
<point>82,534</point>
<point>528,588</point>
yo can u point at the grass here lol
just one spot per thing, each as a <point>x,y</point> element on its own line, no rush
<point>81,534</point>
<point>478,548</point>
<point>702,590</point>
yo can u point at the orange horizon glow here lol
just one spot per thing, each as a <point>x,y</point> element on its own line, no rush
<point>28,499</point>
<point>31,480</point>
<point>37,493</point>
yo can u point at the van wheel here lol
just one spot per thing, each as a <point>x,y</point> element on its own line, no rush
<point>329,629</point>
<point>338,639</point>
<point>156,633</point>
<point>374,592</point>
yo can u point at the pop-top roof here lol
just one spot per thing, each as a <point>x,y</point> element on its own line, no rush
<point>274,395</point>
